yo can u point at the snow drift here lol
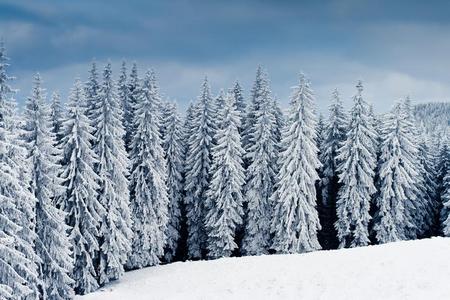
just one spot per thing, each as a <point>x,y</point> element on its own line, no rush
<point>403,270</point>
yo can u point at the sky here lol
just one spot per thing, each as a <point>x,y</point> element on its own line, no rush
<point>397,48</point>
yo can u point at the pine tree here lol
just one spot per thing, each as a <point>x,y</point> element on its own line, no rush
<point>260,93</point>
<point>56,117</point>
<point>239,102</point>
<point>92,90</point>
<point>124,96</point>
<point>198,160</point>
<point>173,145</point>
<point>134,93</point>
<point>52,244</point>
<point>149,199</point>
<point>115,225</point>
<point>356,172</point>
<point>260,180</point>
<point>397,177</point>
<point>224,197</point>
<point>18,261</point>
<point>80,201</point>
<point>333,138</point>
<point>295,220</point>
<point>445,194</point>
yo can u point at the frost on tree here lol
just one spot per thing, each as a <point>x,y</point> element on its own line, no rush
<point>333,136</point>
<point>83,211</point>
<point>52,244</point>
<point>224,197</point>
<point>56,117</point>
<point>262,154</point>
<point>149,199</point>
<point>445,196</point>
<point>260,93</point>
<point>115,224</point>
<point>173,145</point>
<point>198,161</point>
<point>295,220</point>
<point>397,178</point>
<point>92,89</point>
<point>239,102</point>
<point>357,158</point>
<point>18,261</point>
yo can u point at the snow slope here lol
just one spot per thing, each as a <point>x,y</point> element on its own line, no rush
<point>404,270</point>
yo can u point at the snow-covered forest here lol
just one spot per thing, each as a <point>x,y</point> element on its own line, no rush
<point>116,178</point>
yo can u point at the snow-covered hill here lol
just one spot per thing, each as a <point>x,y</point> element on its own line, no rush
<point>404,270</point>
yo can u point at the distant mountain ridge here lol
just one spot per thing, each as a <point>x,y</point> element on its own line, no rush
<point>434,117</point>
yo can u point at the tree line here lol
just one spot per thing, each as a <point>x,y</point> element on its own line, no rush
<point>117,179</point>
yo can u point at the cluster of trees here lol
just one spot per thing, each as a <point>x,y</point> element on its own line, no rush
<point>132,183</point>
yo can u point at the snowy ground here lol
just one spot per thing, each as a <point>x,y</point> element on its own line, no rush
<point>405,270</point>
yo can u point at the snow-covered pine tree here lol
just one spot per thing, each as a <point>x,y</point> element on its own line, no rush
<point>260,180</point>
<point>239,102</point>
<point>80,201</point>
<point>333,137</point>
<point>124,96</point>
<point>52,244</point>
<point>197,168</point>
<point>295,220</point>
<point>134,93</point>
<point>92,89</point>
<point>397,177</point>
<point>148,189</point>
<point>224,197</point>
<point>115,225</point>
<point>56,117</point>
<point>445,193</point>
<point>173,145</point>
<point>279,120</point>
<point>18,261</point>
<point>421,208</point>
<point>260,92</point>
<point>356,172</point>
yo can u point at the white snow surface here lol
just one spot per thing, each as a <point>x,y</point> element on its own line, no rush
<point>403,270</point>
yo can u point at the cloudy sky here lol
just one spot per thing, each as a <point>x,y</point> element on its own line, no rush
<point>397,48</point>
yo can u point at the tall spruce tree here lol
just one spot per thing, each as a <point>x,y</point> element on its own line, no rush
<point>173,145</point>
<point>397,177</point>
<point>198,164</point>
<point>115,225</point>
<point>56,117</point>
<point>357,158</point>
<point>295,220</point>
<point>92,90</point>
<point>18,260</point>
<point>52,243</point>
<point>80,200</point>
<point>125,100</point>
<point>260,180</point>
<point>149,199</point>
<point>224,197</point>
<point>333,138</point>
<point>239,101</point>
<point>260,93</point>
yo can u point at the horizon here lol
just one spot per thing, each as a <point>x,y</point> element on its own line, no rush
<point>395,49</point>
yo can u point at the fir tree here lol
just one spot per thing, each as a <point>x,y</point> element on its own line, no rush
<point>115,225</point>
<point>333,138</point>
<point>224,197</point>
<point>260,180</point>
<point>198,160</point>
<point>295,220</point>
<point>134,93</point>
<point>52,243</point>
<point>124,96</point>
<point>356,172</point>
<point>56,117</point>
<point>92,89</point>
<point>397,178</point>
<point>173,145</point>
<point>239,102</point>
<point>149,200</point>
<point>260,93</point>
<point>18,261</point>
<point>80,201</point>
